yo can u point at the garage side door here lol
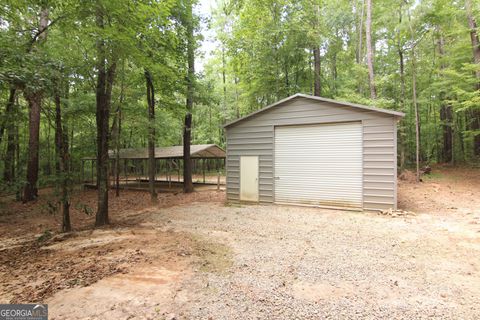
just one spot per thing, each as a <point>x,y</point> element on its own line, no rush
<point>319,164</point>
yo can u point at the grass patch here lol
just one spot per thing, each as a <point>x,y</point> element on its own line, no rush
<point>433,176</point>
<point>46,235</point>
<point>233,205</point>
<point>213,257</point>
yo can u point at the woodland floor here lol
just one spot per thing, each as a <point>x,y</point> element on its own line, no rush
<point>193,257</point>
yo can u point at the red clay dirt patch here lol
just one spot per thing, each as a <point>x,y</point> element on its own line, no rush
<point>119,271</point>
<point>34,268</point>
<point>20,219</point>
<point>445,191</point>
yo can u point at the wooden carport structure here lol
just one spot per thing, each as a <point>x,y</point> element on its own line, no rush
<point>132,168</point>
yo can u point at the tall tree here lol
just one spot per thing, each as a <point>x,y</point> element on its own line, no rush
<point>358,51</point>
<point>370,52</point>
<point>9,169</point>
<point>106,67</point>
<point>62,154</point>
<point>446,112</point>
<point>414,43</point>
<point>151,136</point>
<point>34,95</point>
<point>475,113</point>
<point>317,67</point>
<point>401,58</point>
<point>472,25</point>
<point>187,130</point>
<point>317,85</point>
<point>117,130</point>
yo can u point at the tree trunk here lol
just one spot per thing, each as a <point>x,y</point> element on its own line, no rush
<point>30,191</point>
<point>401,131</point>
<point>475,113</point>
<point>317,81</point>
<point>368,30</point>
<point>237,96</point>
<point>151,136</point>
<point>334,73</point>
<point>317,86</point>
<point>415,104</point>
<point>187,165</point>
<point>9,169</point>
<point>116,132</point>
<point>19,191</point>
<point>34,99</point>
<point>360,34</point>
<point>105,77</point>
<point>8,109</point>
<point>224,100</point>
<point>446,114</point>
<point>360,44</point>
<point>417,118</point>
<point>472,25</point>
<point>187,131</point>
<point>287,80</point>
<point>61,148</point>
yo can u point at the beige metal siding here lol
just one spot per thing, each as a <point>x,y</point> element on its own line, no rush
<point>379,163</point>
<point>255,136</point>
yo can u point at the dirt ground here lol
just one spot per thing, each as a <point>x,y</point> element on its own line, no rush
<point>445,192</point>
<point>193,257</point>
<point>36,261</point>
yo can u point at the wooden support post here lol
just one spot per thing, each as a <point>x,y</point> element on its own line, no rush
<point>142,172</point>
<point>109,174</point>
<point>83,171</point>
<point>169,176</point>
<point>203,169</point>
<point>138,168</point>
<point>126,173</point>
<point>218,174</point>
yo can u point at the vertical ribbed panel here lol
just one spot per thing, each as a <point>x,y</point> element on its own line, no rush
<point>319,164</point>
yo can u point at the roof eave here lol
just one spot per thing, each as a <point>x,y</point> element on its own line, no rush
<point>262,110</point>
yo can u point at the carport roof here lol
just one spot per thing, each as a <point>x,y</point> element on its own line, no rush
<point>306,96</point>
<point>196,151</point>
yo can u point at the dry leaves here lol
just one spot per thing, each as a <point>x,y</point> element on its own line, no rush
<point>397,213</point>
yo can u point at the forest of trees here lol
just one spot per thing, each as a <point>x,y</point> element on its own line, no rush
<point>78,78</point>
<point>418,57</point>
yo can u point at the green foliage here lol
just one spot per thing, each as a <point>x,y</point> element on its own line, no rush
<point>263,53</point>
<point>265,50</point>
<point>138,35</point>
<point>45,236</point>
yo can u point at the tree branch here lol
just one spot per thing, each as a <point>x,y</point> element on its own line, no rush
<point>42,31</point>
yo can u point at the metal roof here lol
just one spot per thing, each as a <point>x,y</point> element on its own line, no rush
<point>348,104</point>
<point>196,151</point>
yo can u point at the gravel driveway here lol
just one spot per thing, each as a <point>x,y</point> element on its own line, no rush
<point>306,263</point>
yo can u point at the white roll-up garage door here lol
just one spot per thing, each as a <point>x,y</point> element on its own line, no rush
<point>319,164</point>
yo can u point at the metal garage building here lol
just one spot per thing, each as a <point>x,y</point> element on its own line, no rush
<point>310,150</point>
